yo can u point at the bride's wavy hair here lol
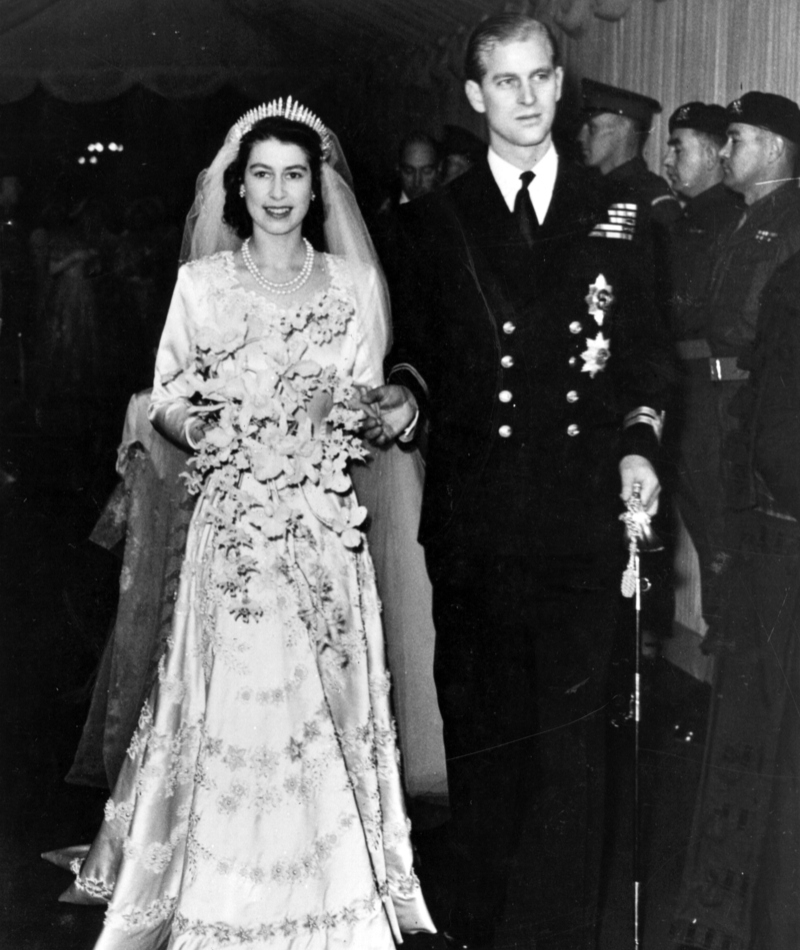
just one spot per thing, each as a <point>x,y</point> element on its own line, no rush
<point>235,213</point>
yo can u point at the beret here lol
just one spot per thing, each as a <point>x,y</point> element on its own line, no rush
<point>701,117</point>
<point>767,111</point>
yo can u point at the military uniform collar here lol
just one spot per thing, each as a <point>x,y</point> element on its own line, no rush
<point>716,194</point>
<point>633,168</point>
<point>768,202</point>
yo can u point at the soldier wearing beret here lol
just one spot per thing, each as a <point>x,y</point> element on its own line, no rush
<point>758,161</point>
<point>693,163</point>
<point>612,139</point>
<point>525,337</point>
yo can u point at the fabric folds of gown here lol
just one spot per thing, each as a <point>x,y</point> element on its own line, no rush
<point>390,487</point>
<point>260,804</point>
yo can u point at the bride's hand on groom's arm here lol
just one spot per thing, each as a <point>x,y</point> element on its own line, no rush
<point>389,411</point>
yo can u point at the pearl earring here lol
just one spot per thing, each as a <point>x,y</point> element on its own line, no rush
<point>241,191</point>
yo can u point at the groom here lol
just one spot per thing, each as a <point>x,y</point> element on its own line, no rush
<point>527,345</point>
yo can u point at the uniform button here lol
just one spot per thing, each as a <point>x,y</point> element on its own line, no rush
<point>573,429</point>
<point>509,327</point>
<point>575,327</point>
<point>505,432</point>
<point>572,396</point>
<point>572,360</point>
<point>507,362</point>
<point>504,395</point>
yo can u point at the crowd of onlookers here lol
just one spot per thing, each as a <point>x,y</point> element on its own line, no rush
<point>84,291</point>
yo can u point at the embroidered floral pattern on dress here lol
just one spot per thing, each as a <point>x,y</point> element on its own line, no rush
<point>287,928</point>
<point>263,771</point>
<point>118,812</point>
<point>288,426</point>
<point>272,697</point>
<point>310,864</point>
<point>171,686</point>
<point>158,911</point>
<point>395,832</point>
<point>380,683</point>
<point>92,886</point>
<point>172,755</point>
<point>156,856</point>
<point>404,885</point>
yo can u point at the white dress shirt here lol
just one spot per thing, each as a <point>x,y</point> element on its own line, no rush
<point>507,177</point>
<point>540,189</point>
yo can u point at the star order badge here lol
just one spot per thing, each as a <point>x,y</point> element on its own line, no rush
<point>600,298</point>
<point>596,355</point>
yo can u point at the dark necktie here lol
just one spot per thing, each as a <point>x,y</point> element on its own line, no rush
<point>527,221</point>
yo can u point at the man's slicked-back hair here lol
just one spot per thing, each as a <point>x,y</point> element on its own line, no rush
<point>418,137</point>
<point>503,28</point>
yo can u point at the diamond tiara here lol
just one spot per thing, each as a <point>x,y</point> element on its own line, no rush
<point>291,110</point>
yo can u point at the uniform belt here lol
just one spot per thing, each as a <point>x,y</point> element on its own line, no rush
<point>721,369</point>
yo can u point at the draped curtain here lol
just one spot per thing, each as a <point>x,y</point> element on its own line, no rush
<point>682,50</point>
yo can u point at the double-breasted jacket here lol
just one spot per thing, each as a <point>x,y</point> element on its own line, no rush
<point>537,368</point>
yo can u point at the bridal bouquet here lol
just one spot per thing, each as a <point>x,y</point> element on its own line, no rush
<point>284,419</point>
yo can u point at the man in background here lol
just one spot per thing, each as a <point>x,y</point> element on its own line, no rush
<point>693,163</point>
<point>418,166</point>
<point>612,139</point>
<point>758,163</point>
<point>418,171</point>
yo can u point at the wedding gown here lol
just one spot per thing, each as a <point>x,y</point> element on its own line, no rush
<point>260,804</point>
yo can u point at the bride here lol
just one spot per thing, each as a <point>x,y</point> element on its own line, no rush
<point>260,803</point>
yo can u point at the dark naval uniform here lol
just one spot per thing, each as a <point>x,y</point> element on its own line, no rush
<point>740,884</point>
<point>537,368</point>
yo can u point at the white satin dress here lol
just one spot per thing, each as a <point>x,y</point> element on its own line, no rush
<point>260,805</point>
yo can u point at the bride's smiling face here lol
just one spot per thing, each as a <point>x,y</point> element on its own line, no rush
<point>277,184</point>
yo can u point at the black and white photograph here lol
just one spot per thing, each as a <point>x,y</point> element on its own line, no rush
<point>399,475</point>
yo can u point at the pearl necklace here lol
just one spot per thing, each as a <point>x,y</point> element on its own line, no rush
<point>289,286</point>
